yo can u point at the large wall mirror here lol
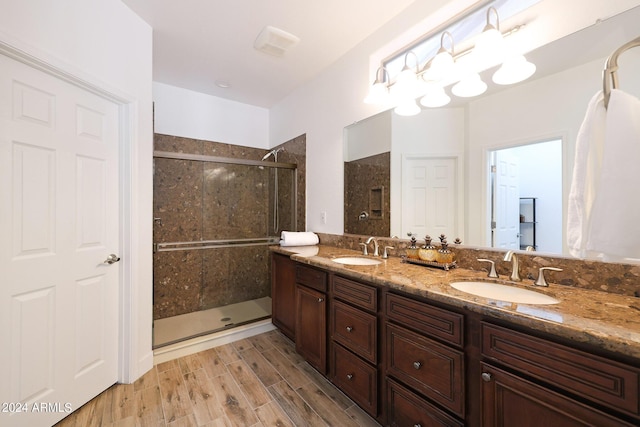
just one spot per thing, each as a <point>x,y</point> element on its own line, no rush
<point>440,162</point>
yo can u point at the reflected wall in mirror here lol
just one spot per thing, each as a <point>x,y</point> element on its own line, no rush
<point>549,106</point>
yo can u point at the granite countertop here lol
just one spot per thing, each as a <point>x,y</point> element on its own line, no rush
<point>605,320</point>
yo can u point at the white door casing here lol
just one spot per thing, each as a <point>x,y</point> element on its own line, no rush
<point>506,201</point>
<point>59,220</point>
<point>430,196</point>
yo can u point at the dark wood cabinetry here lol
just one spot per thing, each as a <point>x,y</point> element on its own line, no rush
<point>354,341</point>
<point>424,365</point>
<point>410,361</point>
<point>578,376</point>
<point>283,294</point>
<point>509,400</point>
<point>311,316</point>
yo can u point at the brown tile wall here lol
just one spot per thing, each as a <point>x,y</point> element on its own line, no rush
<point>196,201</point>
<point>360,176</point>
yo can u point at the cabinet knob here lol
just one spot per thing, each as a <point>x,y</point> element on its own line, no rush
<point>417,425</point>
<point>320,299</point>
<point>417,365</point>
<point>349,328</point>
<point>349,377</point>
<point>486,377</point>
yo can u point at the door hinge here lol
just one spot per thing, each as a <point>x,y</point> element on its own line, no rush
<point>493,225</point>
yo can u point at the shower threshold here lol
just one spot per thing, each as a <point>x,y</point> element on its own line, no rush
<point>174,329</point>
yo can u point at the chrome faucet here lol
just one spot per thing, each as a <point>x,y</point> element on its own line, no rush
<point>375,245</point>
<point>515,274</point>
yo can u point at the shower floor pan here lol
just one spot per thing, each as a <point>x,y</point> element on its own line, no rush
<point>174,329</point>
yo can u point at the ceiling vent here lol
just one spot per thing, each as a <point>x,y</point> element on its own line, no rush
<point>275,41</point>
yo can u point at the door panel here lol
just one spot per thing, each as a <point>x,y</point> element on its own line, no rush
<point>59,211</point>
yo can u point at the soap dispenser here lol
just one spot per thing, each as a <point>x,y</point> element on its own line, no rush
<point>428,251</point>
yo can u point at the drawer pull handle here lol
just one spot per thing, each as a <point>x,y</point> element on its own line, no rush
<point>486,377</point>
<point>417,365</point>
<point>349,328</point>
<point>320,299</point>
<point>349,377</point>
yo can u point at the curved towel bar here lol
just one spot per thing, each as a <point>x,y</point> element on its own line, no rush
<point>611,68</point>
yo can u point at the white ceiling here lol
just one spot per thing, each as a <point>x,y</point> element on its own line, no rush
<point>199,42</point>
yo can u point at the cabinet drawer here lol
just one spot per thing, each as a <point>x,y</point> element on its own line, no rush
<point>601,380</point>
<point>359,294</point>
<point>407,409</point>
<point>434,321</point>
<point>354,329</point>
<point>311,277</point>
<point>427,366</point>
<point>356,378</point>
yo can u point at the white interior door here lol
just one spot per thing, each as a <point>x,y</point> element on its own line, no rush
<point>506,201</point>
<point>429,196</point>
<point>59,216</point>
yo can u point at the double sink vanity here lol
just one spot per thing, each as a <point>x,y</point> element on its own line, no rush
<point>417,346</point>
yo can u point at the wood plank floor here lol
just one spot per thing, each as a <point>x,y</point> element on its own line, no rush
<point>259,381</point>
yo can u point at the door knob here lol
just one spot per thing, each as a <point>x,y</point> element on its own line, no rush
<point>113,258</point>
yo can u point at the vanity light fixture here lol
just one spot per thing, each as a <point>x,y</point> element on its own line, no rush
<point>489,48</point>
<point>470,85</point>
<point>443,69</point>
<point>435,96</point>
<point>442,65</point>
<point>514,69</point>
<point>407,83</point>
<point>379,91</point>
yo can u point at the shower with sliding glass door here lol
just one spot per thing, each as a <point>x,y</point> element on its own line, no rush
<point>216,211</point>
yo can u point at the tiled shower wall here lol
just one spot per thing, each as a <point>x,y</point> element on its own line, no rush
<point>360,177</point>
<point>196,201</point>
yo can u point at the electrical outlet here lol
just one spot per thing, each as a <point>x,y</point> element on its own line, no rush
<point>323,217</point>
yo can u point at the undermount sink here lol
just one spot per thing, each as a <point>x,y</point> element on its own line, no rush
<point>354,260</point>
<point>504,292</point>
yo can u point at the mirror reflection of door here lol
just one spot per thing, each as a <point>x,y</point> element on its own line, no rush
<point>429,196</point>
<point>527,171</point>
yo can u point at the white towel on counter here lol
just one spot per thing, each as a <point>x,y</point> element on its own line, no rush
<point>603,217</point>
<point>298,238</point>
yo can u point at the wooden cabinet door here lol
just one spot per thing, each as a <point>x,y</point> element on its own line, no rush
<point>283,294</point>
<point>508,400</point>
<point>311,327</point>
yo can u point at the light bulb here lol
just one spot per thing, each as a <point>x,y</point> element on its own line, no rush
<point>470,85</point>
<point>378,94</point>
<point>407,108</point>
<point>435,97</point>
<point>515,69</point>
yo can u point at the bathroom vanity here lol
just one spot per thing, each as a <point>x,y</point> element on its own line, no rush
<point>411,350</point>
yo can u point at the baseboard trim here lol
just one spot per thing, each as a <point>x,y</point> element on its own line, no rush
<point>205,342</point>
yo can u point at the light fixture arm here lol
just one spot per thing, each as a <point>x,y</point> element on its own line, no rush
<point>406,64</point>
<point>442,49</point>
<point>382,75</point>
<point>489,26</point>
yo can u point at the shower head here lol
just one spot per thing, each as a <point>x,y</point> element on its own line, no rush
<point>273,153</point>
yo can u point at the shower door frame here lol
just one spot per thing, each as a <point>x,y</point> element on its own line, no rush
<point>229,160</point>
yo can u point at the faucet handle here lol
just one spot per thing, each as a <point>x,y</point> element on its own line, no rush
<point>385,255</point>
<point>364,249</point>
<point>492,270</point>
<point>541,281</point>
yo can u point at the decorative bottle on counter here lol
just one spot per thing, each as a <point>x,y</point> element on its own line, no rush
<point>428,252</point>
<point>412,250</point>
<point>445,256</point>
